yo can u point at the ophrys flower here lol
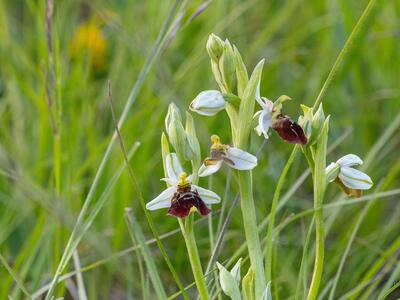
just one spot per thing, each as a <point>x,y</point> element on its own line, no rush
<point>350,180</point>
<point>182,196</point>
<point>271,116</point>
<point>221,153</point>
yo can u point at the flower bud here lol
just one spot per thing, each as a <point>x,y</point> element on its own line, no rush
<point>317,123</point>
<point>176,133</point>
<point>208,103</point>
<point>214,47</point>
<point>227,66</point>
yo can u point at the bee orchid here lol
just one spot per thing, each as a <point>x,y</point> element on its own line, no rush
<point>231,156</point>
<point>350,180</point>
<point>271,116</point>
<point>182,197</point>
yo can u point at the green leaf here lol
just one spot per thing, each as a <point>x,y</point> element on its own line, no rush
<point>241,73</point>
<point>229,283</point>
<point>247,105</point>
<point>267,292</point>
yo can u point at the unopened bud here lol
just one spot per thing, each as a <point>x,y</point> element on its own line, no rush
<point>176,133</point>
<point>208,103</point>
<point>317,123</point>
<point>227,66</point>
<point>215,47</point>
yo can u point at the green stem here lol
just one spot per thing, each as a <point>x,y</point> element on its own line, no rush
<point>319,255</point>
<point>188,234</point>
<point>319,181</point>
<point>250,229</point>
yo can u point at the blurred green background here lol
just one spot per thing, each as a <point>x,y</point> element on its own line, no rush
<point>46,173</point>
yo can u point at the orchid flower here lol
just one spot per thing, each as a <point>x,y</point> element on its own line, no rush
<point>271,116</point>
<point>233,157</point>
<point>351,181</point>
<point>182,196</point>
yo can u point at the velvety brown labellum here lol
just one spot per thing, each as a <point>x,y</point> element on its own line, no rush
<point>289,131</point>
<point>183,201</point>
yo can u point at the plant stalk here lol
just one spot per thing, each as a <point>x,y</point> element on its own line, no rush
<point>250,229</point>
<point>319,182</point>
<point>188,235</point>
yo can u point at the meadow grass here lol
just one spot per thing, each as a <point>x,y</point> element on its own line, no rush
<point>51,185</point>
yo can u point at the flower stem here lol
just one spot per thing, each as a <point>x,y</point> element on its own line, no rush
<point>188,234</point>
<point>251,231</point>
<point>319,181</point>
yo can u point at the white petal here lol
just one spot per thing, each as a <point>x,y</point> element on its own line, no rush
<point>258,130</point>
<point>258,96</point>
<point>350,160</point>
<point>264,122</point>
<point>210,169</point>
<point>170,181</point>
<point>209,197</point>
<point>355,179</point>
<point>174,168</point>
<point>242,160</point>
<point>268,104</point>
<point>163,200</point>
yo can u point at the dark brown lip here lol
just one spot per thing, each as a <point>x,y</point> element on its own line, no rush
<point>183,201</point>
<point>289,131</point>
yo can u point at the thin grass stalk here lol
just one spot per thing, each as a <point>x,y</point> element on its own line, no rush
<point>54,109</point>
<point>137,235</point>
<point>302,279</point>
<point>19,283</point>
<point>79,278</point>
<point>159,44</point>
<point>271,222</point>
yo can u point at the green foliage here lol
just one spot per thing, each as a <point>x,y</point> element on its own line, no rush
<point>46,174</point>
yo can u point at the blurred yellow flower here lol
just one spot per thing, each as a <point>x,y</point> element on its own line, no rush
<point>89,40</point>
